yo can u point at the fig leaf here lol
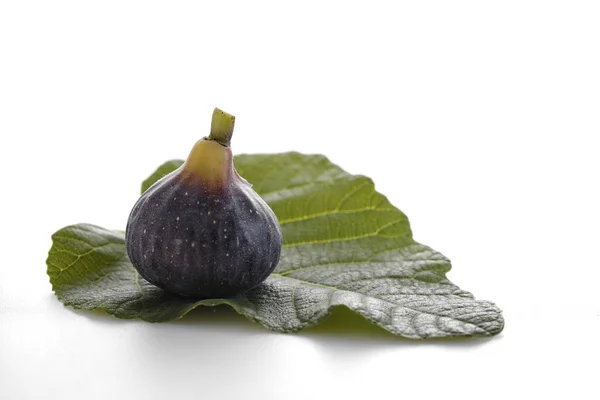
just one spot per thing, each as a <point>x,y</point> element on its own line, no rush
<point>344,245</point>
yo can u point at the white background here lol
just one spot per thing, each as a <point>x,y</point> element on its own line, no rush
<point>478,119</point>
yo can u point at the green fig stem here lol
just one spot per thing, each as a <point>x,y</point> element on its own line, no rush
<point>221,128</point>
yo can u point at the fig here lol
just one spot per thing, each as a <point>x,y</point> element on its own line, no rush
<point>202,231</point>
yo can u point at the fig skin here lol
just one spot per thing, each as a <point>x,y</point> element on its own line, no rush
<point>202,231</point>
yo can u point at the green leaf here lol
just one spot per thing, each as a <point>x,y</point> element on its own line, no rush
<point>163,170</point>
<point>344,244</point>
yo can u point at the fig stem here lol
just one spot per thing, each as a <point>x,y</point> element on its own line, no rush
<point>221,127</point>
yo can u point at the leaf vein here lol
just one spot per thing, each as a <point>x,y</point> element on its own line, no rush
<point>325,241</point>
<point>334,212</point>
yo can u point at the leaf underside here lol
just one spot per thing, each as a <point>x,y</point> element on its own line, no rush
<point>344,244</point>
